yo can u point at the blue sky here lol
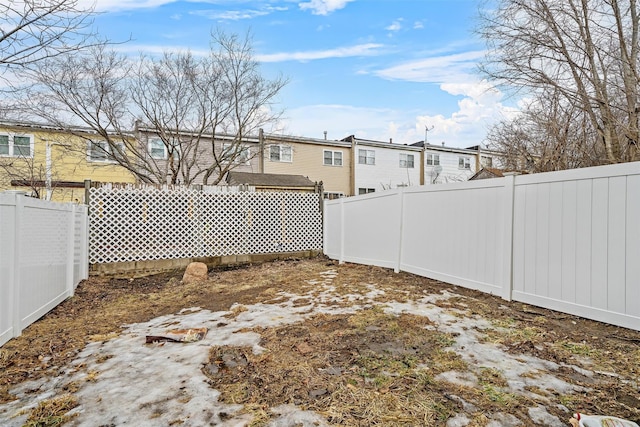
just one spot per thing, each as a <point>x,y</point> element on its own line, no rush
<point>378,69</point>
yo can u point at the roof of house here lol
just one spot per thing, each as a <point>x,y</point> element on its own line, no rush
<point>485,173</point>
<point>270,180</point>
<point>380,144</point>
<point>434,147</point>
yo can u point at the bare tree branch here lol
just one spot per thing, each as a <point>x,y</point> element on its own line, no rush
<point>192,114</point>
<point>33,30</point>
<point>583,51</point>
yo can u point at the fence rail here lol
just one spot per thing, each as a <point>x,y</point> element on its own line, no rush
<point>43,257</point>
<point>567,241</point>
<point>153,223</point>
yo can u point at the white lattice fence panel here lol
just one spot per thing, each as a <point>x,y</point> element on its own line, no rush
<point>144,224</point>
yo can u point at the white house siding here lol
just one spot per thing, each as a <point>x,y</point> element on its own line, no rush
<point>449,162</point>
<point>386,172</point>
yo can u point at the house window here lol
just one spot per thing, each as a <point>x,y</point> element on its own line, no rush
<point>157,150</point>
<point>406,160</point>
<point>332,195</point>
<point>332,158</point>
<point>486,161</point>
<point>367,157</point>
<point>101,151</point>
<point>464,163</point>
<point>280,153</point>
<point>16,146</point>
<point>236,153</point>
<point>366,190</point>
<point>433,159</point>
<point>98,151</point>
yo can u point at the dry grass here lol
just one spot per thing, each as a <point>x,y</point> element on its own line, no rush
<point>360,369</point>
<point>52,412</point>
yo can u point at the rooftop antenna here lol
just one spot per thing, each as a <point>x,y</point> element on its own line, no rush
<point>427,129</point>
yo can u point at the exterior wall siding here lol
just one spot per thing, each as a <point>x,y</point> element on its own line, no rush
<point>449,162</point>
<point>204,157</point>
<point>69,162</point>
<point>307,160</point>
<point>386,173</point>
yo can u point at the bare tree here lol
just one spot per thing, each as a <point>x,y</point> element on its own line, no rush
<point>583,51</point>
<point>548,135</point>
<point>187,103</point>
<point>33,30</point>
<point>22,171</point>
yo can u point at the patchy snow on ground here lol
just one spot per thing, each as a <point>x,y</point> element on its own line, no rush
<point>123,381</point>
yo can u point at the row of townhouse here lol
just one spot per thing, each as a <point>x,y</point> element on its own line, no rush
<point>34,156</point>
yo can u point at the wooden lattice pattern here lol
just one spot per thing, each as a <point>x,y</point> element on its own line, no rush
<point>129,224</point>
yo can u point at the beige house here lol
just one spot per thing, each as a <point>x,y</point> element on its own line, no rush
<point>196,153</point>
<point>316,159</point>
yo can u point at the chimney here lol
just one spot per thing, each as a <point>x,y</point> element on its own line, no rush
<point>443,143</point>
<point>325,135</point>
<point>390,140</point>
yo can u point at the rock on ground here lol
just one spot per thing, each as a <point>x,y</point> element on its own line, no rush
<point>195,272</point>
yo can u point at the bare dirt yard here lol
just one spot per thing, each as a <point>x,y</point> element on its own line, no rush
<point>312,343</point>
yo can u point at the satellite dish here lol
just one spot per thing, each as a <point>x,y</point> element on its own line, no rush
<point>435,172</point>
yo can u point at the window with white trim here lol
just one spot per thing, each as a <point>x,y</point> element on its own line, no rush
<point>406,160</point>
<point>280,153</point>
<point>16,145</point>
<point>236,153</point>
<point>332,158</point>
<point>101,151</point>
<point>486,161</point>
<point>366,190</point>
<point>157,150</point>
<point>464,163</point>
<point>433,159</point>
<point>367,157</point>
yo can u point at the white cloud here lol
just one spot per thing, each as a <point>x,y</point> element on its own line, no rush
<point>157,49</point>
<point>117,5</point>
<point>230,15</point>
<point>478,109</point>
<point>454,68</point>
<point>341,52</point>
<point>236,15</point>
<point>339,121</point>
<point>395,25</point>
<point>418,25</point>
<point>323,7</point>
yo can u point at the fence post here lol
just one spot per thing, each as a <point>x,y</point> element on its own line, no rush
<point>71,226</point>
<point>87,193</point>
<point>507,244</point>
<point>14,274</point>
<point>401,228</point>
<point>341,258</point>
<point>84,242</point>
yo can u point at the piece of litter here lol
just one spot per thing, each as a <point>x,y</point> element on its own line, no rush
<point>582,420</point>
<point>179,335</point>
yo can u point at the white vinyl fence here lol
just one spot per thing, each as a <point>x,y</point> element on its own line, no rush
<point>567,241</point>
<point>151,223</point>
<point>43,257</point>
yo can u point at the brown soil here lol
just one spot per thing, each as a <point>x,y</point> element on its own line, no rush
<point>365,368</point>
